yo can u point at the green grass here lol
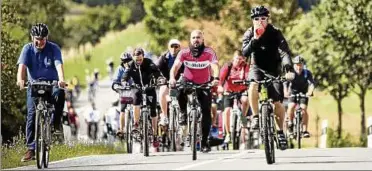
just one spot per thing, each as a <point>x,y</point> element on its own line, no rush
<point>11,154</point>
<point>325,106</point>
<point>112,45</point>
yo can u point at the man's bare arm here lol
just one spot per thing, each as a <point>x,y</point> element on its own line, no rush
<point>215,69</point>
<point>174,70</point>
<point>61,73</point>
<point>21,74</point>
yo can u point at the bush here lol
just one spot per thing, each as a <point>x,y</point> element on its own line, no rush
<point>347,140</point>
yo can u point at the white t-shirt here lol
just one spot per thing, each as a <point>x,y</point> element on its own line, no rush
<point>92,115</point>
<point>112,117</point>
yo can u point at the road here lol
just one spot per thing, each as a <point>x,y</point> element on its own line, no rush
<point>294,159</point>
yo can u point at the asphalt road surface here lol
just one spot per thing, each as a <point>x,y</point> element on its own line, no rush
<point>294,159</point>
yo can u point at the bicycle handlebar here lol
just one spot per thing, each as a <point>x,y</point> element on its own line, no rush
<point>44,83</point>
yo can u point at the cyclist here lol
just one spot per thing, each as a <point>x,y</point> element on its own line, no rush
<point>142,71</point>
<point>110,68</point>
<point>76,85</point>
<point>43,60</point>
<point>165,63</point>
<point>302,83</point>
<point>215,97</point>
<point>92,117</point>
<point>125,57</point>
<point>74,121</point>
<point>267,49</point>
<point>236,70</point>
<point>200,63</point>
<point>111,119</point>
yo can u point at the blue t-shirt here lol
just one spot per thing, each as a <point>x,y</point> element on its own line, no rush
<point>119,75</point>
<point>171,60</point>
<point>41,64</point>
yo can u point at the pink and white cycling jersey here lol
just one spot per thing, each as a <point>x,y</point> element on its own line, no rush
<point>198,70</point>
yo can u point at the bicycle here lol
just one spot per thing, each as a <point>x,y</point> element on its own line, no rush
<point>267,125</point>
<point>42,91</point>
<point>126,98</point>
<point>194,116</point>
<point>146,132</point>
<point>297,124</point>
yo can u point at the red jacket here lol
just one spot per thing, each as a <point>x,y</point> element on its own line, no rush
<point>237,73</point>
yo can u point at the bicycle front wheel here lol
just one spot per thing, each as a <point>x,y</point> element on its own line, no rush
<point>145,130</point>
<point>298,129</point>
<point>39,144</point>
<point>194,135</point>
<point>267,134</point>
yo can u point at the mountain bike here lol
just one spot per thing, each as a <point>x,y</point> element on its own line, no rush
<point>297,124</point>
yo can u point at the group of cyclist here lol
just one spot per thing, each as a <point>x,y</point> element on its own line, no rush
<point>264,51</point>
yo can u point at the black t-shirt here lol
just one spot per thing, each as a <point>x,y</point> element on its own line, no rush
<point>301,82</point>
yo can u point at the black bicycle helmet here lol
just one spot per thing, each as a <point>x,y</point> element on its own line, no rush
<point>39,30</point>
<point>125,57</point>
<point>259,11</point>
<point>298,59</point>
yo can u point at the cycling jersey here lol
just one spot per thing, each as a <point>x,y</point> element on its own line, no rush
<point>300,83</point>
<point>269,51</point>
<point>198,70</point>
<point>237,73</point>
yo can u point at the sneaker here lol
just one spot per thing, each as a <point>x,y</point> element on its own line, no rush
<point>282,140</point>
<point>155,144</point>
<point>163,121</point>
<point>306,134</point>
<point>29,155</point>
<point>206,149</point>
<point>215,141</point>
<point>255,122</point>
<point>227,138</point>
<point>182,118</point>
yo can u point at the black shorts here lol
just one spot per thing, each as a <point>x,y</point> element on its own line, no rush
<point>122,107</point>
<point>228,100</point>
<point>151,99</point>
<point>275,90</point>
<point>302,100</point>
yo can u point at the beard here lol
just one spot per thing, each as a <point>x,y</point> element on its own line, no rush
<point>196,51</point>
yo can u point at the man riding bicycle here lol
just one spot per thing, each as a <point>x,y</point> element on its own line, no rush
<point>236,70</point>
<point>267,49</point>
<point>302,83</point>
<point>142,71</point>
<point>125,58</point>
<point>200,63</point>
<point>43,60</point>
<point>165,63</point>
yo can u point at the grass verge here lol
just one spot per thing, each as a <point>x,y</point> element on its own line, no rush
<point>11,154</point>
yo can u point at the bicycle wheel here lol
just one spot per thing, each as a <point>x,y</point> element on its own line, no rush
<point>267,136</point>
<point>172,129</point>
<point>234,134</point>
<point>194,135</point>
<point>46,144</point>
<point>145,130</point>
<point>298,129</point>
<point>128,135</point>
<point>39,145</point>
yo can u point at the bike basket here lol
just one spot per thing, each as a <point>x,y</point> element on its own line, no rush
<point>127,97</point>
<point>41,90</point>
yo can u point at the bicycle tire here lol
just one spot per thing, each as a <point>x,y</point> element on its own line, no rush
<point>194,135</point>
<point>47,145</point>
<point>298,127</point>
<point>172,130</point>
<point>145,130</point>
<point>267,139</point>
<point>128,136</point>
<point>38,142</point>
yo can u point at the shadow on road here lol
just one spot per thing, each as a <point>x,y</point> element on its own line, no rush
<point>113,164</point>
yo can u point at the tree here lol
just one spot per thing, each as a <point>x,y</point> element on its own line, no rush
<point>352,33</point>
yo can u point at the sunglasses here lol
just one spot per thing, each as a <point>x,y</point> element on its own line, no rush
<point>175,46</point>
<point>260,18</point>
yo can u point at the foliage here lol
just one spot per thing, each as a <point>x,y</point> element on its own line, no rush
<point>96,22</point>
<point>333,141</point>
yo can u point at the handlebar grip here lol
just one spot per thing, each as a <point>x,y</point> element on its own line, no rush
<point>238,81</point>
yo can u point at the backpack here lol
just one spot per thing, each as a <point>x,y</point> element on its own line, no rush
<point>229,67</point>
